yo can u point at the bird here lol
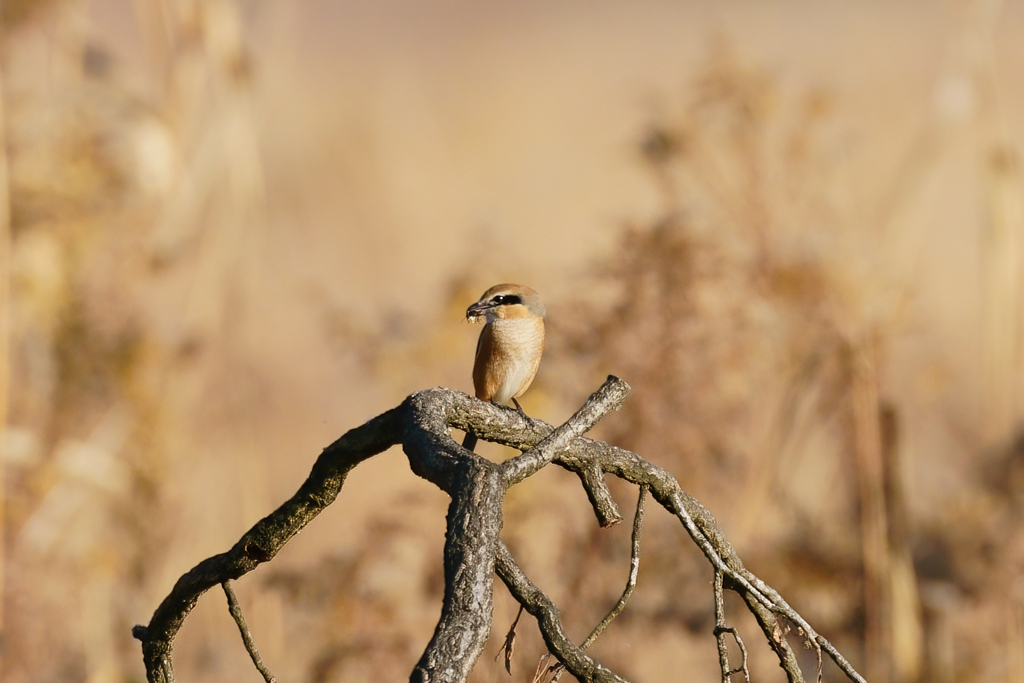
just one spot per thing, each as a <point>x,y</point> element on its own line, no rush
<point>510,346</point>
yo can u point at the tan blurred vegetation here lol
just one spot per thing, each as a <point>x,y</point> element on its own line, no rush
<point>237,229</point>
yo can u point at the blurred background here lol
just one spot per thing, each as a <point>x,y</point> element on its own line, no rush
<point>231,230</point>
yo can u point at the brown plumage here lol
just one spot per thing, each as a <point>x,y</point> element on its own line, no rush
<point>510,347</point>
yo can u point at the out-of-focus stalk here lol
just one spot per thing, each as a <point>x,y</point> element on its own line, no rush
<point>5,349</point>
<point>1002,239</point>
<point>867,446</point>
<point>1004,222</point>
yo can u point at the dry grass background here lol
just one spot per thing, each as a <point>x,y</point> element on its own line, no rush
<point>235,229</point>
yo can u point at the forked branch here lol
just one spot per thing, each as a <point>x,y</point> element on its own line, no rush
<point>473,550</point>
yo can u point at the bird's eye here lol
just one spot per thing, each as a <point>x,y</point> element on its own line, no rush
<point>507,299</point>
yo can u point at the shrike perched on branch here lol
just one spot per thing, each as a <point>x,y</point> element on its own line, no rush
<point>510,345</point>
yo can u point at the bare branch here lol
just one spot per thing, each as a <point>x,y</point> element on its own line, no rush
<point>473,549</point>
<point>477,488</point>
<point>265,539</point>
<point>601,500</point>
<point>609,397</point>
<point>236,612</point>
<point>840,661</point>
<point>698,521</point>
<point>817,641</point>
<point>544,611</point>
<point>721,628</point>
<point>775,633</point>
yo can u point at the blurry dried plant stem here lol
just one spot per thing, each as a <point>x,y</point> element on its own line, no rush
<point>1002,305</point>
<point>867,448</point>
<point>474,551</point>
<point>1002,243</point>
<point>5,351</point>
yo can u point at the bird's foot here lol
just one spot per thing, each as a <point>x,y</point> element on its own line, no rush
<point>519,408</point>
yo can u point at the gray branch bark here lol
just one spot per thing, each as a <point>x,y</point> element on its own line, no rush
<point>473,549</point>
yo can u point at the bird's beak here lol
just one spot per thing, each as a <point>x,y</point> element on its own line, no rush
<point>478,310</point>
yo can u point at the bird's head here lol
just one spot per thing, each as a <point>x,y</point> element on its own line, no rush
<point>502,302</point>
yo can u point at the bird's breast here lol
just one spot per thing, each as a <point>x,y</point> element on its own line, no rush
<point>518,336</point>
<point>508,358</point>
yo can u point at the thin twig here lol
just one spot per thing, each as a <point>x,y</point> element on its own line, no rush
<point>723,647</point>
<point>721,628</point>
<point>509,647</point>
<point>818,650</point>
<point>634,569</point>
<point>542,668</point>
<point>250,645</point>
<point>742,652</point>
<point>840,661</point>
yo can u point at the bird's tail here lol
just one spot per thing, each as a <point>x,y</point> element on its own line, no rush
<point>469,443</point>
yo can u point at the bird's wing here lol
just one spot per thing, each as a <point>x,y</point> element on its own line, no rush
<point>484,350</point>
